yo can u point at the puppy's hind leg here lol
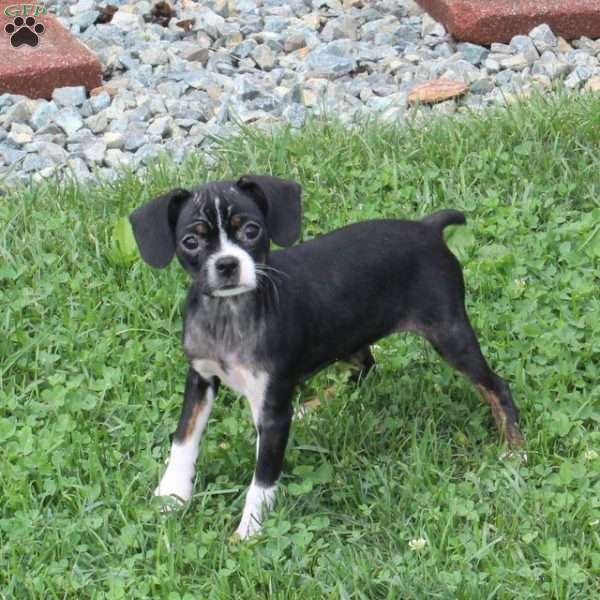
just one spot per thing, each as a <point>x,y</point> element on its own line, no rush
<point>363,362</point>
<point>457,343</point>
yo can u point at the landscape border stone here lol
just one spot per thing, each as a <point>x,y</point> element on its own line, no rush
<point>58,60</point>
<point>487,21</point>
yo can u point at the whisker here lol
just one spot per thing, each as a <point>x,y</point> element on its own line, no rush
<point>269,285</point>
<point>273,269</point>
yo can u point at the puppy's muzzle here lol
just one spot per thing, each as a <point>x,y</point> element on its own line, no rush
<point>227,277</point>
<point>227,269</point>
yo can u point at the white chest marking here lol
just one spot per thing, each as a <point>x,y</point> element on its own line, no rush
<point>240,378</point>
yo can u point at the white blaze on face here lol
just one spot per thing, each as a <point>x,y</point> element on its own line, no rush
<point>247,272</point>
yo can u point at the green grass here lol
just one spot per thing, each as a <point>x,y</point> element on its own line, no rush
<point>91,379</point>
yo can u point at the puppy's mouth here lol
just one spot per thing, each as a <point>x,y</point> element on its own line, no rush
<point>227,291</point>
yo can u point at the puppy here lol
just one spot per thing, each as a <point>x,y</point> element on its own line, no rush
<point>262,321</point>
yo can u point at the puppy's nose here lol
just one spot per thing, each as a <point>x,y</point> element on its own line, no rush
<point>227,266</point>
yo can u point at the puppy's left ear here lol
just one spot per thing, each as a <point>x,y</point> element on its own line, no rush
<point>154,227</point>
<point>279,200</point>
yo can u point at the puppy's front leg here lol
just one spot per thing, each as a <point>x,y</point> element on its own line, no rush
<point>199,395</point>
<point>273,427</point>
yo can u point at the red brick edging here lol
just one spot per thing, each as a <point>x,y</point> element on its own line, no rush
<point>57,60</point>
<point>486,21</point>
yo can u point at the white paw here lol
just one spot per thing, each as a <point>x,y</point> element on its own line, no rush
<point>248,527</point>
<point>177,485</point>
<point>258,501</point>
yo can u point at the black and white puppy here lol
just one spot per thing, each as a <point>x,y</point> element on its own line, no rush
<point>261,321</point>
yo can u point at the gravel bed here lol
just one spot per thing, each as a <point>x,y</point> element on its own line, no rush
<point>178,74</point>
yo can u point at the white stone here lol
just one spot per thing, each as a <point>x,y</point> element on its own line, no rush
<point>20,134</point>
<point>127,21</point>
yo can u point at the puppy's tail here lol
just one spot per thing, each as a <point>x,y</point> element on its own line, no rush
<point>443,218</point>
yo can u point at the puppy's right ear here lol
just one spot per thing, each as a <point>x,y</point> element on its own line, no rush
<point>154,227</point>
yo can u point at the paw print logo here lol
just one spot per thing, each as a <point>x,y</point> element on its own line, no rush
<point>24,31</point>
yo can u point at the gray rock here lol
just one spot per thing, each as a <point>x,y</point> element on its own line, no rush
<point>69,96</point>
<point>264,57</point>
<point>432,27</point>
<point>247,89</point>
<point>185,110</point>
<point>553,66</point>
<point>134,139</point>
<point>155,104</point>
<point>19,112</point>
<point>503,78</point>
<point>463,71</point>
<point>147,153</point>
<point>85,110</point>
<point>100,101</point>
<point>515,63</point>
<point>52,130</point>
<point>53,152</point>
<point>492,65</point>
<point>221,62</point>
<point>294,41</point>
<point>121,124</point>
<point>93,150</point>
<point>523,45</point>
<point>35,163</point>
<point>370,29</point>
<point>113,139</point>
<point>127,21</point>
<point>43,114</point>
<point>141,113</point>
<point>342,27</point>
<point>85,19</point>
<point>11,155</point>
<point>20,134</point>
<point>78,168</point>
<point>199,80</point>
<point>482,86</point>
<point>331,60</point>
<point>207,21</point>
<point>183,123</point>
<point>161,126</point>
<point>473,53</point>
<point>578,76</point>
<point>200,55</point>
<point>294,114</point>
<point>497,48</point>
<point>245,49</point>
<point>69,120</point>
<point>154,55</point>
<point>581,57</point>
<point>81,6</point>
<point>543,38</point>
<point>116,159</point>
<point>276,24</point>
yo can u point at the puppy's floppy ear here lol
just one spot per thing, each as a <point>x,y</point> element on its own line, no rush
<point>279,200</point>
<point>154,227</point>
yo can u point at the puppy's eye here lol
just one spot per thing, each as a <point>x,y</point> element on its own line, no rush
<point>251,231</point>
<point>201,228</point>
<point>190,243</point>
